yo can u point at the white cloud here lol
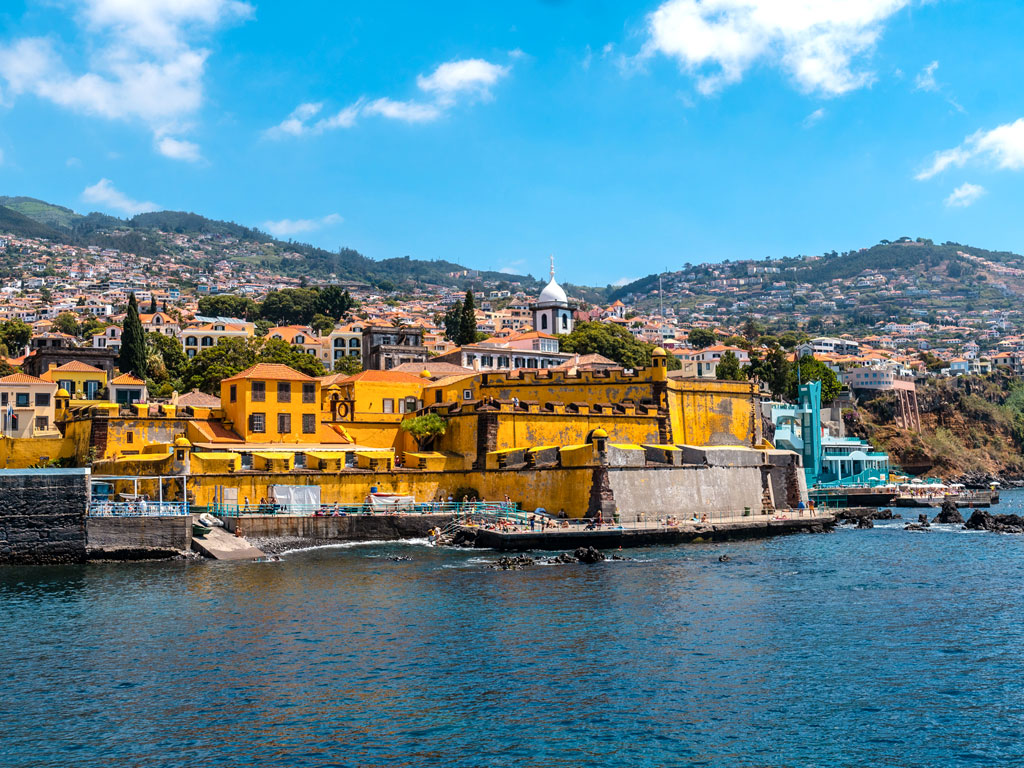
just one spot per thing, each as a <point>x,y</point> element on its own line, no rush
<point>472,76</point>
<point>105,194</point>
<point>925,80</point>
<point>291,227</point>
<point>406,111</point>
<point>177,149</point>
<point>964,195</point>
<point>448,82</point>
<point>1003,146</point>
<point>818,42</point>
<point>143,62</point>
<point>814,118</point>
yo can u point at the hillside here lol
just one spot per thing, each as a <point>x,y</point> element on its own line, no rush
<point>971,427</point>
<point>147,235</point>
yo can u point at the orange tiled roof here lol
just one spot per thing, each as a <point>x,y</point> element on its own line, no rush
<point>272,371</point>
<point>77,366</point>
<point>23,378</point>
<point>128,378</point>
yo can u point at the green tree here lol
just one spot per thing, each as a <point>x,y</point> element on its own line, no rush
<point>792,339</point>
<point>132,358</point>
<point>751,329</point>
<point>229,356</point>
<point>289,306</point>
<point>171,356</point>
<point>699,338</point>
<point>228,305</point>
<point>453,323</point>
<point>812,369</point>
<point>262,326</point>
<point>322,324</point>
<point>280,351</point>
<point>425,429</point>
<point>152,304</point>
<point>349,365</point>
<point>91,327</point>
<point>15,334</point>
<point>66,322</point>
<point>612,342</point>
<point>728,368</point>
<point>467,324</point>
<point>333,302</point>
<point>739,342</point>
<point>776,371</point>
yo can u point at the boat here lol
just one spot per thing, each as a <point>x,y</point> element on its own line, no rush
<point>200,530</point>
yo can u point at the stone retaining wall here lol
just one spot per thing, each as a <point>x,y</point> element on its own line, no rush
<point>42,515</point>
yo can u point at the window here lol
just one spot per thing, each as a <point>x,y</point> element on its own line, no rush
<point>389,405</point>
<point>284,392</point>
<point>309,393</point>
<point>42,399</point>
<point>129,438</point>
<point>309,423</point>
<point>234,393</point>
<point>42,422</point>
<point>565,321</point>
<point>353,342</point>
<point>543,322</point>
<point>207,341</point>
<point>467,394</point>
<point>258,422</point>
<point>284,423</point>
<point>190,341</point>
<point>21,400</point>
<point>259,391</point>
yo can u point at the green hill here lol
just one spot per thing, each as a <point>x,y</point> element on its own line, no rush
<point>45,213</point>
<point>15,223</point>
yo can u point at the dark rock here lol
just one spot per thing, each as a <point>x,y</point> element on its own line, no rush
<point>949,513</point>
<point>588,555</point>
<point>723,558</point>
<point>916,527</point>
<point>923,519</point>
<point>464,537</point>
<point>865,522</point>
<point>400,558</point>
<point>620,557</point>
<point>516,563</point>
<point>563,559</point>
<point>980,520</point>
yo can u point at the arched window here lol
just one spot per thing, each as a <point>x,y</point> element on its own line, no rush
<point>543,322</point>
<point>565,320</point>
<point>353,342</point>
<point>207,341</point>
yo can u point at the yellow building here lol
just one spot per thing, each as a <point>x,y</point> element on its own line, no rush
<point>81,380</point>
<point>271,403</point>
<point>371,405</point>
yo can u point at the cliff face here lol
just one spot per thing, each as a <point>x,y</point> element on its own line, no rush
<point>971,428</point>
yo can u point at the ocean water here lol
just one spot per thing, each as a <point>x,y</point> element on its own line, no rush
<point>857,648</point>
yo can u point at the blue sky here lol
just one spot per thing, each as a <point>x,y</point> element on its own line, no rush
<point>625,138</point>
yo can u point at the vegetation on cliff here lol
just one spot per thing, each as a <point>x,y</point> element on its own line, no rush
<point>970,426</point>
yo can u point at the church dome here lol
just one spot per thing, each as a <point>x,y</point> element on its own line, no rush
<point>552,294</point>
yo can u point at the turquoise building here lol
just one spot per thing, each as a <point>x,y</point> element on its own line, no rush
<point>828,461</point>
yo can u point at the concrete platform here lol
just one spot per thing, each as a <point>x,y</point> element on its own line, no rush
<point>137,538</point>
<point>627,536</point>
<point>218,544</point>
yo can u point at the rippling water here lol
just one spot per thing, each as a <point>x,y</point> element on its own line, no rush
<point>858,648</point>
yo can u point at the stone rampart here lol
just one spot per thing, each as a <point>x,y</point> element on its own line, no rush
<point>42,515</point>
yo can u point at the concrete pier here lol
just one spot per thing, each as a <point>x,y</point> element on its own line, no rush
<point>218,544</point>
<point>341,528</point>
<point>643,536</point>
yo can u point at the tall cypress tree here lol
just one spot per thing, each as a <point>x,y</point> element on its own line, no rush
<point>453,323</point>
<point>133,342</point>
<point>152,304</point>
<point>467,325</point>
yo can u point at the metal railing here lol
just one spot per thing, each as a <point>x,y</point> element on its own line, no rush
<point>103,508</point>
<point>456,509</point>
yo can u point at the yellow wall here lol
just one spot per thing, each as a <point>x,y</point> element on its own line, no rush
<point>553,489</point>
<point>238,412</point>
<point>20,453</point>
